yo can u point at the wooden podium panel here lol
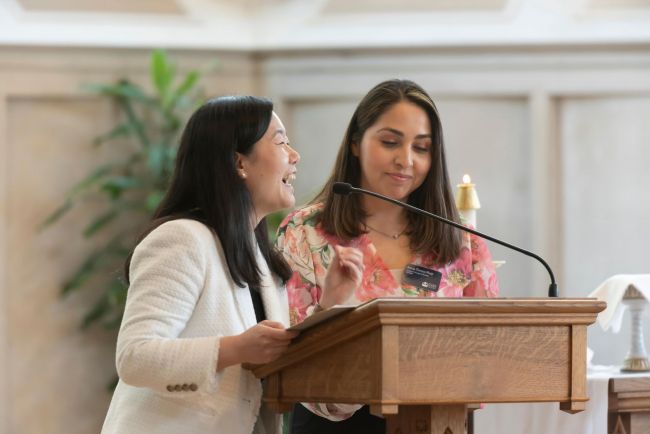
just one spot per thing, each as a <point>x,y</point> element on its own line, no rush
<point>440,353</point>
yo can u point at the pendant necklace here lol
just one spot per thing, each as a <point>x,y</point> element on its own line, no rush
<point>393,236</point>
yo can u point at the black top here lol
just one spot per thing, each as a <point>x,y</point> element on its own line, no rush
<point>362,422</point>
<point>257,304</point>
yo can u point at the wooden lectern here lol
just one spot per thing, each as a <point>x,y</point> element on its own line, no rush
<point>421,362</point>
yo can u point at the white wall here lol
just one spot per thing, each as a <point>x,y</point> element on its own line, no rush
<point>606,203</point>
<point>309,24</point>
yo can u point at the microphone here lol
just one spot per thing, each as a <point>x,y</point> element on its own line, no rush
<point>343,188</point>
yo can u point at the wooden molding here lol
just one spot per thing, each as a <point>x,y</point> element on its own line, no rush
<point>472,351</point>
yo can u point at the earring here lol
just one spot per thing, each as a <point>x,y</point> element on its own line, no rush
<point>242,174</point>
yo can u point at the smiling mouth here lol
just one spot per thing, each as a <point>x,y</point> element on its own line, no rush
<point>399,176</point>
<point>289,179</point>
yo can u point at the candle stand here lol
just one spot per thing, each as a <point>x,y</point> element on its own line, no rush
<point>637,358</point>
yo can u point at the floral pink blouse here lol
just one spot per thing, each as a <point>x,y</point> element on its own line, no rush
<point>308,250</point>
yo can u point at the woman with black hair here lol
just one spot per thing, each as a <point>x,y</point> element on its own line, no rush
<point>206,288</point>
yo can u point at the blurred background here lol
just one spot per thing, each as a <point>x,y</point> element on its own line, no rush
<point>545,103</point>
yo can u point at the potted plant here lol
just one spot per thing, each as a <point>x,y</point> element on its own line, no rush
<point>131,187</point>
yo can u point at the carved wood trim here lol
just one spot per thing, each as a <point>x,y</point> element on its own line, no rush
<point>416,312</point>
<point>619,428</point>
<point>578,371</point>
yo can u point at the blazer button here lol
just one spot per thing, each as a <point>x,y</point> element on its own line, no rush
<point>185,387</point>
<point>193,387</point>
<point>177,388</point>
<point>170,388</point>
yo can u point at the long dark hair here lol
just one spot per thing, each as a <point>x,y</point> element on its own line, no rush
<point>341,215</point>
<point>205,185</point>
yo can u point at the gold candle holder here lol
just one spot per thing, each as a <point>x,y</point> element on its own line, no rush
<point>467,200</point>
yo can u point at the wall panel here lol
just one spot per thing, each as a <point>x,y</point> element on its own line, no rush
<point>604,140</point>
<point>485,136</point>
<point>48,141</point>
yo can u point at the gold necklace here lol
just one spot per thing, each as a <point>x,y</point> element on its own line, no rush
<point>393,236</point>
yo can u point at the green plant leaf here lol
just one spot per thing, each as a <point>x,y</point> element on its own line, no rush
<point>99,223</point>
<point>112,322</point>
<point>170,161</point>
<point>162,74</point>
<point>273,221</point>
<point>116,185</point>
<point>135,123</point>
<point>109,252</point>
<point>156,159</point>
<point>120,131</point>
<point>56,215</point>
<point>111,385</point>
<point>117,293</point>
<point>98,310</point>
<point>153,200</point>
<point>116,298</point>
<point>138,206</point>
<point>171,126</point>
<point>186,85</point>
<point>188,103</point>
<point>90,180</point>
<point>83,273</point>
<point>122,89</point>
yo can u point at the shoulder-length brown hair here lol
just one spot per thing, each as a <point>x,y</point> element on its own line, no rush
<point>341,215</point>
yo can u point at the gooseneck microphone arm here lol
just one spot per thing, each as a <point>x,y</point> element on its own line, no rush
<point>344,188</point>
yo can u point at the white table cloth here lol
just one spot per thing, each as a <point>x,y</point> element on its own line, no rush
<point>547,418</point>
<point>612,291</point>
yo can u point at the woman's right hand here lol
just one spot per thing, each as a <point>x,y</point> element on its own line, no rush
<point>344,275</point>
<point>262,343</point>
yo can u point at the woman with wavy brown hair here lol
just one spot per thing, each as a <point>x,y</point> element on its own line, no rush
<point>393,146</point>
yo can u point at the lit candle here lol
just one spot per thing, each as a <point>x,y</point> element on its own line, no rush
<point>467,201</point>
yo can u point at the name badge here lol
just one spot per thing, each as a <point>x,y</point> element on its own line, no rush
<point>422,277</point>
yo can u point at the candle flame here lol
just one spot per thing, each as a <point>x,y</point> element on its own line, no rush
<point>466,179</point>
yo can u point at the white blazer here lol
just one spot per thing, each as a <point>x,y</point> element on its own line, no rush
<point>181,301</point>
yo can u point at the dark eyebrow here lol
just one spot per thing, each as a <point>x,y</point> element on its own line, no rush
<point>278,131</point>
<point>401,134</point>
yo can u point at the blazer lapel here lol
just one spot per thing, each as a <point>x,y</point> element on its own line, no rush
<point>245,306</point>
<point>274,294</point>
